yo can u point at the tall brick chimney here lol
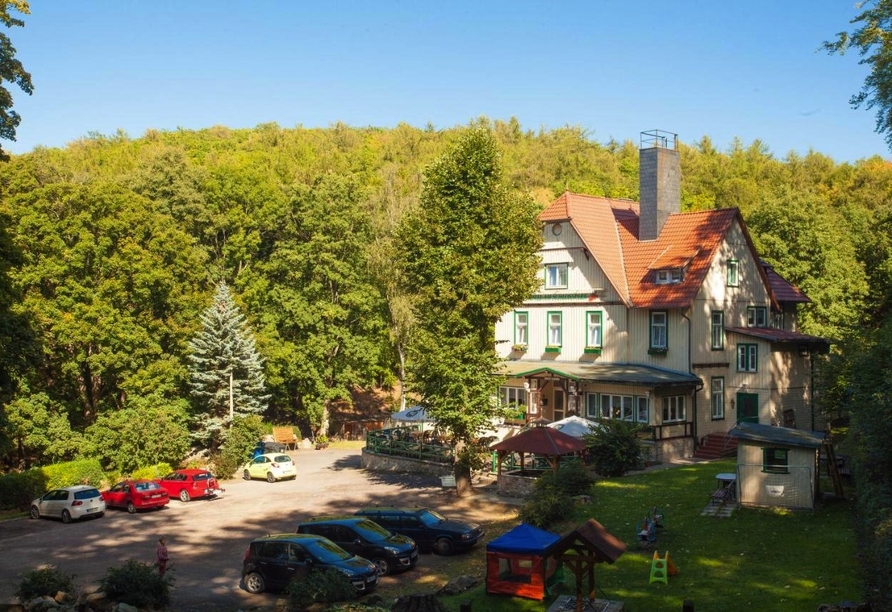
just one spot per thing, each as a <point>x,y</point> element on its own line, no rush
<point>659,181</point>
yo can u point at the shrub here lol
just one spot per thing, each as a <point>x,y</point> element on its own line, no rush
<point>321,586</point>
<point>551,500</point>
<point>42,582</point>
<point>242,439</point>
<point>19,489</point>
<point>151,472</point>
<point>614,447</point>
<point>137,584</point>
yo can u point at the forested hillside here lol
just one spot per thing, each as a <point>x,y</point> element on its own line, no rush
<point>113,247</point>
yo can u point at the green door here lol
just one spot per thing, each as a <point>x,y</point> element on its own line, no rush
<point>747,408</point>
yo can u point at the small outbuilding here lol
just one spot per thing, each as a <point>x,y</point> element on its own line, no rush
<point>777,466</point>
<point>519,563</point>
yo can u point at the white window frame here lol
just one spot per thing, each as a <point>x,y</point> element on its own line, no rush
<point>733,273</point>
<point>717,397</point>
<point>592,406</point>
<point>747,357</point>
<point>515,395</point>
<point>555,328</point>
<point>656,326</point>
<point>673,409</point>
<point>617,407</point>
<point>557,276</point>
<point>642,409</point>
<point>670,276</point>
<point>717,330</point>
<point>521,327</point>
<point>594,320</point>
<point>757,316</point>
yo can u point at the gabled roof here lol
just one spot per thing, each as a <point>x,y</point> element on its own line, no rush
<point>541,441</point>
<point>688,241</point>
<point>784,436</point>
<point>783,290</point>
<point>617,373</point>
<point>591,536</point>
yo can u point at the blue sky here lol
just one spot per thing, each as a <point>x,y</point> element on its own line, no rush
<point>750,70</point>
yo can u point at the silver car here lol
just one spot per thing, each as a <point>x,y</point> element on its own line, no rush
<point>69,503</point>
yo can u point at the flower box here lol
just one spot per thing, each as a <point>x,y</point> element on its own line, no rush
<point>552,349</point>
<point>519,348</point>
<point>657,351</point>
<point>592,350</point>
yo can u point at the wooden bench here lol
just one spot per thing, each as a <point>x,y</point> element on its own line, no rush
<point>724,495</point>
<point>285,435</point>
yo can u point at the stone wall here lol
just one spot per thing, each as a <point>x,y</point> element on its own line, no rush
<point>393,463</point>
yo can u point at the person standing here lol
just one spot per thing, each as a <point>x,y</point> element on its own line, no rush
<point>162,556</point>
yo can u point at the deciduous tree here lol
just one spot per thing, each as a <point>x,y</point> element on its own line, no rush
<point>11,70</point>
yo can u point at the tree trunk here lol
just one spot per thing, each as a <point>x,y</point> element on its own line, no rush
<point>462,479</point>
<point>418,603</point>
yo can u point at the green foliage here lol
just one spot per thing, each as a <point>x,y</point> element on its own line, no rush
<point>321,586</point>
<point>227,372</point>
<point>11,71</point>
<point>468,254</point>
<point>137,584</point>
<point>152,472</point>
<point>873,42</point>
<point>82,471</point>
<point>551,501</point>
<point>243,437</point>
<point>43,582</point>
<point>19,489</point>
<point>614,447</point>
<point>149,431</point>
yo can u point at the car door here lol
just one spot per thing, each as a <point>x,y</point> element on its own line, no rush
<point>273,563</point>
<point>53,502</point>
<point>412,527</point>
<point>346,538</point>
<point>115,495</point>
<point>258,467</point>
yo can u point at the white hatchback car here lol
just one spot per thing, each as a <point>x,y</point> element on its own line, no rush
<point>272,466</point>
<point>69,503</point>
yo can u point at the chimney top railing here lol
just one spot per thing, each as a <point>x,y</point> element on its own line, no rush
<point>659,139</point>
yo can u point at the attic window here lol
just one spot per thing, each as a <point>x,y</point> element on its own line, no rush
<point>669,277</point>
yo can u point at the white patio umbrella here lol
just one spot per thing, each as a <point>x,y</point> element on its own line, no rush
<point>575,426</point>
<point>413,414</point>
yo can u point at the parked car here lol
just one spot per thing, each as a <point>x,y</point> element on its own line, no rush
<point>273,561</point>
<point>272,466</point>
<point>190,484</point>
<point>389,552</point>
<point>136,495</point>
<point>69,503</point>
<point>430,529</point>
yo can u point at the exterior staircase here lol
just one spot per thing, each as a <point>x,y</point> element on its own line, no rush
<point>716,446</point>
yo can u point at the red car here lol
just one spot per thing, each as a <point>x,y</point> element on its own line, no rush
<point>190,484</point>
<point>136,495</point>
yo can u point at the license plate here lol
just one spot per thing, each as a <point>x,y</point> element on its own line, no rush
<point>90,509</point>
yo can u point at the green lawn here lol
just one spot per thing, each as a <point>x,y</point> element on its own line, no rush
<point>753,561</point>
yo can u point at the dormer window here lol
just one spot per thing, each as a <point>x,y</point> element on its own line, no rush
<point>669,277</point>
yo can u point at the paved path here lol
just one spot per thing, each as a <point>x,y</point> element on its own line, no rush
<point>207,539</point>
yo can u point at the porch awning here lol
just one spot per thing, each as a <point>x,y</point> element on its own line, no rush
<point>613,373</point>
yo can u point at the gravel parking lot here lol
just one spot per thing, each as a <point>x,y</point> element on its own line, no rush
<point>207,539</point>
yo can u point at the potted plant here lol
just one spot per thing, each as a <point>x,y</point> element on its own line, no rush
<point>519,348</point>
<point>321,442</point>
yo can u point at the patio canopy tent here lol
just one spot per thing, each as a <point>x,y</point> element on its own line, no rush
<point>575,426</point>
<point>546,441</point>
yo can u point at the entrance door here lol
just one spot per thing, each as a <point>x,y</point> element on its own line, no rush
<point>747,408</point>
<point>560,407</point>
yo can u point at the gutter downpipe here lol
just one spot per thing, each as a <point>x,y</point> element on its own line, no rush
<point>696,389</point>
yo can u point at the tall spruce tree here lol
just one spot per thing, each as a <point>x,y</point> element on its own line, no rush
<point>226,372</point>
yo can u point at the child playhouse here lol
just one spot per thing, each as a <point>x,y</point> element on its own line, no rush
<point>519,563</point>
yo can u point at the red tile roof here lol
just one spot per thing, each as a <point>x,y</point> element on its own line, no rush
<point>609,229</point>
<point>541,441</point>
<point>783,290</point>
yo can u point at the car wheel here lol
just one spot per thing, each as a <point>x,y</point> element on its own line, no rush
<point>184,495</point>
<point>444,546</point>
<point>66,516</point>
<point>270,477</point>
<point>381,565</point>
<point>254,583</point>
<point>131,508</point>
<point>246,475</point>
<point>35,512</point>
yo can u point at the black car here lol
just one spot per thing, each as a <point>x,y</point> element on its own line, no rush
<point>388,551</point>
<point>273,561</point>
<point>430,529</point>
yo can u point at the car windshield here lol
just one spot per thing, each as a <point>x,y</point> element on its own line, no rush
<point>282,459</point>
<point>326,551</point>
<point>430,517</point>
<point>372,531</point>
<point>146,486</point>
<point>201,476</point>
<point>87,494</point>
